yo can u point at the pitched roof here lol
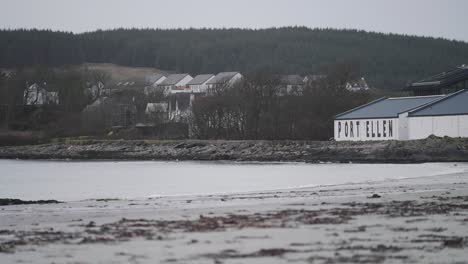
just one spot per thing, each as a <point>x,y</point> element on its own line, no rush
<point>200,79</point>
<point>443,79</point>
<point>387,107</point>
<point>174,79</point>
<point>150,79</point>
<point>222,77</point>
<point>293,79</point>
<point>452,104</point>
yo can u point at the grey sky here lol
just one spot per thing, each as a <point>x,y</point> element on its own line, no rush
<point>438,18</point>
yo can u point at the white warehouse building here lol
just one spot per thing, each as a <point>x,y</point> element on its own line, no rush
<point>405,118</point>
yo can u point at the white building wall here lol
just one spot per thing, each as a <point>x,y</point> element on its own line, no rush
<point>403,130</point>
<point>201,88</point>
<point>451,126</point>
<point>181,86</point>
<point>366,129</point>
<point>463,126</point>
<point>198,88</point>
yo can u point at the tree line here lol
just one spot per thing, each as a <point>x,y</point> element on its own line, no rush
<point>387,61</point>
<point>62,119</point>
<point>255,108</point>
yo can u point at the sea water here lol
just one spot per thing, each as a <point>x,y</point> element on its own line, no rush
<point>77,180</point>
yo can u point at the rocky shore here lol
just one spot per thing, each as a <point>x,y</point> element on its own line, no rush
<point>432,149</point>
<point>6,201</point>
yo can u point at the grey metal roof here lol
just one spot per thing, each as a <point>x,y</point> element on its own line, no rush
<point>174,79</point>
<point>222,77</point>
<point>387,107</point>
<point>200,79</point>
<point>443,79</point>
<point>453,104</point>
<point>292,79</point>
<point>150,79</point>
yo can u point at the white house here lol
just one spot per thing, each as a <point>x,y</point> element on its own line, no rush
<point>180,106</point>
<point>36,95</point>
<point>97,90</point>
<point>356,86</point>
<point>158,112</point>
<point>153,81</point>
<point>291,84</point>
<point>224,79</point>
<point>199,84</point>
<point>405,118</point>
<point>176,83</point>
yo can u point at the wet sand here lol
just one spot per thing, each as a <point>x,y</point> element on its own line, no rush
<point>418,220</point>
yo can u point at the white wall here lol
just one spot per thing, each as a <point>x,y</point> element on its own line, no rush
<point>180,87</point>
<point>403,130</point>
<point>452,126</point>
<point>201,88</point>
<point>366,129</point>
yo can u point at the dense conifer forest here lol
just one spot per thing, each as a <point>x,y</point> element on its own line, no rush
<point>386,60</point>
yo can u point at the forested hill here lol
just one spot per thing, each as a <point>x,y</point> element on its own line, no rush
<point>387,61</point>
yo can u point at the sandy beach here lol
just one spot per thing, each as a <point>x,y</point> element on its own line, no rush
<point>415,220</point>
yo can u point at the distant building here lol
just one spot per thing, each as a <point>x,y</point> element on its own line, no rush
<point>357,86</point>
<point>129,85</point>
<point>199,84</point>
<point>97,90</point>
<point>37,95</point>
<point>175,83</point>
<point>153,81</point>
<point>291,84</point>
<point>313,78</point>
<point>180,106</point>
<point>405,118</point>
<point>157,113</point>
<point>223,80</point>
<point>445,82</point>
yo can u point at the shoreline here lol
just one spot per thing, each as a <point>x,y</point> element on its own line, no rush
<point>432,149</point>
<point>201,196</point>
<point>423,219</point>
<point>143,179</point>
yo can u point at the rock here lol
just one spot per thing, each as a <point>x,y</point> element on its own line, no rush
<point>433,149</point>
<point>374,196</point>
<point>5,202</point>
<point>457,242</point>
<point>91,224</point>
